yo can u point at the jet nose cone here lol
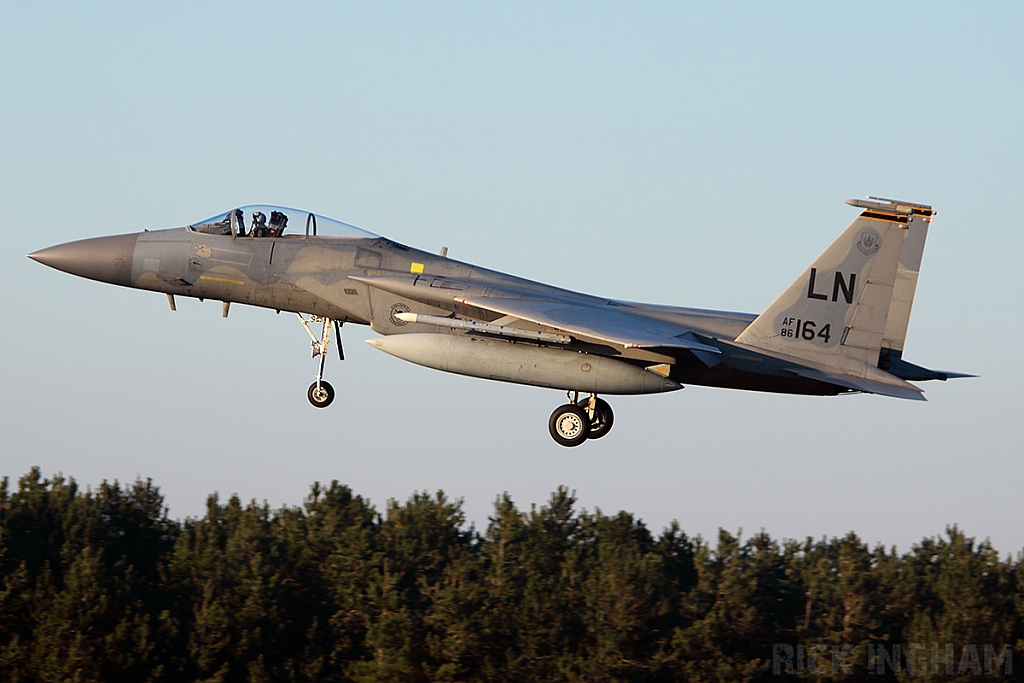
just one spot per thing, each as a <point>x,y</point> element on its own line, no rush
<point>107,259</point>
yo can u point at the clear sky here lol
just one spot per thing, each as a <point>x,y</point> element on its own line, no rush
<point>677,153</point>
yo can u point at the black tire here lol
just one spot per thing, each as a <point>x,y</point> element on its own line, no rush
<point>603,419</point>
<point>322,398</point>
<point>569,425</point>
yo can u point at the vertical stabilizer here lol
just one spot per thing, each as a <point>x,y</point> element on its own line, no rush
<point>856,296</point>
<point>895,335</point>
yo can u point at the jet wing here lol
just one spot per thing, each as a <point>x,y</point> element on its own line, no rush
<point>601,323</point>
<point>604,323</point>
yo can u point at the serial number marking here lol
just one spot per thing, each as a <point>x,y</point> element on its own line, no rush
<point>795,328</point>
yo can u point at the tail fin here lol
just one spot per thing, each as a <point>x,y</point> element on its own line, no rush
<point>855,299</point>
<point>906,277</point>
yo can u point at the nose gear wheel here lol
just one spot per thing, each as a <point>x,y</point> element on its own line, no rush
<point>320,393</point>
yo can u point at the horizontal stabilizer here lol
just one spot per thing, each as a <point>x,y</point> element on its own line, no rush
<point>900,389</point>
<point>706,357</point>
<point>954,375</point>
<point>892,363</point>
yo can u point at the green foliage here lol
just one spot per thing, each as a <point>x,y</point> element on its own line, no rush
<point>82,595</point>
<point>101,586</point>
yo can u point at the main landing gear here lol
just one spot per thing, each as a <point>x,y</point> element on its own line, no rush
<point>320,393</point>
<point>572,424</point>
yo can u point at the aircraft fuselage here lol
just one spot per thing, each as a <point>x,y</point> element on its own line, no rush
<point>328,277</point>
<point>839,327</point>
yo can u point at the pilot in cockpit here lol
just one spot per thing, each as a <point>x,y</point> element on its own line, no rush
<point>259,224</point>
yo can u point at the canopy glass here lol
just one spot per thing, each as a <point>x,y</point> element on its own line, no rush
<point>264,220</point>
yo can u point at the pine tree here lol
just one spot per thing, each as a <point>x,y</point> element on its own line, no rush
<point>422,550</point>
<point>81,574</point>
<point>744,602</point>
<point>100,586</point>
<point>963,601</point>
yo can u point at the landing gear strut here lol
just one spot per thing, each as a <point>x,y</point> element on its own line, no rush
<point>579,420</point>
<point>320,393</point>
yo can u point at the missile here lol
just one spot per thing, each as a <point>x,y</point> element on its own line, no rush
<point>523,363</point>
<point>485,328</point>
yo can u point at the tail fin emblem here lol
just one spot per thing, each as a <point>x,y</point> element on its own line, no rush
<point>869,242</point>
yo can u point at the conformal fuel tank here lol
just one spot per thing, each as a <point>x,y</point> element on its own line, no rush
<point>538,366</point>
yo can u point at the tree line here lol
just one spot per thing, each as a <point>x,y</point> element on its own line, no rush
<point>101,585</point>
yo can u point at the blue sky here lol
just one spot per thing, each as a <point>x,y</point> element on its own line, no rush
<point>689,154</point>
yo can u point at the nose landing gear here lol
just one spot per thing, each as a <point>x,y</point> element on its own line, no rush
<point>320,392</point>
<point>572,424</point>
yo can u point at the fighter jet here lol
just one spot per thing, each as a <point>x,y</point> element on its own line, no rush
<point>839,328</point>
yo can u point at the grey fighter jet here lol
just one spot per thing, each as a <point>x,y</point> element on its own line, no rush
<point>839,328</point>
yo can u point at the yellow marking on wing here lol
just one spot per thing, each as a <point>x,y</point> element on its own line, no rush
<point>416,268</point>
<point>662,369</point>
<point>221,279</point>
<point>750,358</point>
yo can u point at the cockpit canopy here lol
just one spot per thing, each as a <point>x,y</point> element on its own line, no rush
<point>264,220</point>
